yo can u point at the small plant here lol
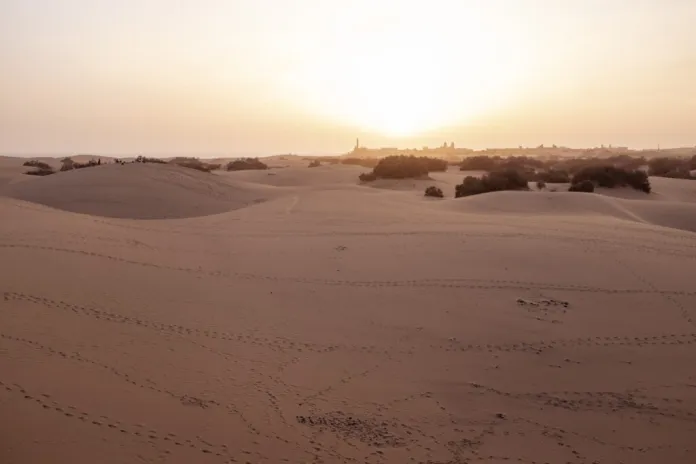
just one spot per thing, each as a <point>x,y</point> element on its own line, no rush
<point>582,186</point>
<point>367,177</point>
<point>433,191</point>
<point>540,185</point>
<point>314,164</point>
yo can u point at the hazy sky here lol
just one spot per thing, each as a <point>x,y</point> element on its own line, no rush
<point>211,77</point>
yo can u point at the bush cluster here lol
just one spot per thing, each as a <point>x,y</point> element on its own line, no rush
<point>38,164</point>
<point>611,176</point>
<point>552,176</point>
<point>246,164</point>
<point>41,172</point>
<point>145,159</point>
<point>583,186</point>
<point>69,164</point>
<point>405,167</point>
<point>676,168</point>
<point>495,181</point>
<point>193,163</point>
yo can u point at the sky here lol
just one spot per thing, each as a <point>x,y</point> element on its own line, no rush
<point>255,77</point>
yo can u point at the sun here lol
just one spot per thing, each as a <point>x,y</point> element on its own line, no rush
<point>401,83</point>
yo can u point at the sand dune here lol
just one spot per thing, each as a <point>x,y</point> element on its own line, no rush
<point>341,323</point>
<point>136,191</point>
<point>676,215</point>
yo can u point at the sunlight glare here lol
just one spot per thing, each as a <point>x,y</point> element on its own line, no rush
<point>399,82</point>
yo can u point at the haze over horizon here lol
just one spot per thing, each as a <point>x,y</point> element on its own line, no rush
<point>215,77</point>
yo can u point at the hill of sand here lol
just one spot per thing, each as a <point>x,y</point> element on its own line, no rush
<point>136,191</point>
<point>341,323</point>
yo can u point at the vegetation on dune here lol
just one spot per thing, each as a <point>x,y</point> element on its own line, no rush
<point>37,164</point>
<point>611,177</point>
<point>40,172</point>
<point>314,164</point>
<point>68,164</point>
<point>193,163</point>
<point>433,191</point>
<point>495,181</point>
<point>404,167</point>
<point>583,186</point>
<point>552,176</point>
<point>367,177</point>
<point>675,168</point>
<point>246,164</point>
<point>145,159</point>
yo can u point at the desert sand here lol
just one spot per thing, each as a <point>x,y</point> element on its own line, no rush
<point>157,314</point>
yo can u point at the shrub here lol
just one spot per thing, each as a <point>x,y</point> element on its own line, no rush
<point>185,162</point>
<point>583,186</point>
<point>675,167</point>
<point>406,167</point>
<point>507,179</point>
<point>434,192</point>
<point>479,163</point>
<point>198,166</point>
<point>246,164</point>
<point>314,164</point>
<point>611,176</point>
<point>367,177</point>
<point>41,172</point>
<point>145,159</point>
<point>68,164</point>
<point>38,164</point>
<point>553,176</point>
<point>541,185</point>
<point>88,164</point>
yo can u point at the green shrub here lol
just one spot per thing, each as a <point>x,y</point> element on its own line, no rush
<point>670,167</point>
<point>246,164</point>
<point>583,186</point>
<point>367,177</point>
<point>41,172</point>
<point>479,163</point>
<point>407,167</point>
<point>145,159</point>
<point>553,176</point>
<point>434,192</point>
<point>507,179</point>
<point>38,164</point>
<point>611,176</point>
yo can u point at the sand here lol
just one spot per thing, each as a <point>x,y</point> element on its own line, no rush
<point>339,323</point>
